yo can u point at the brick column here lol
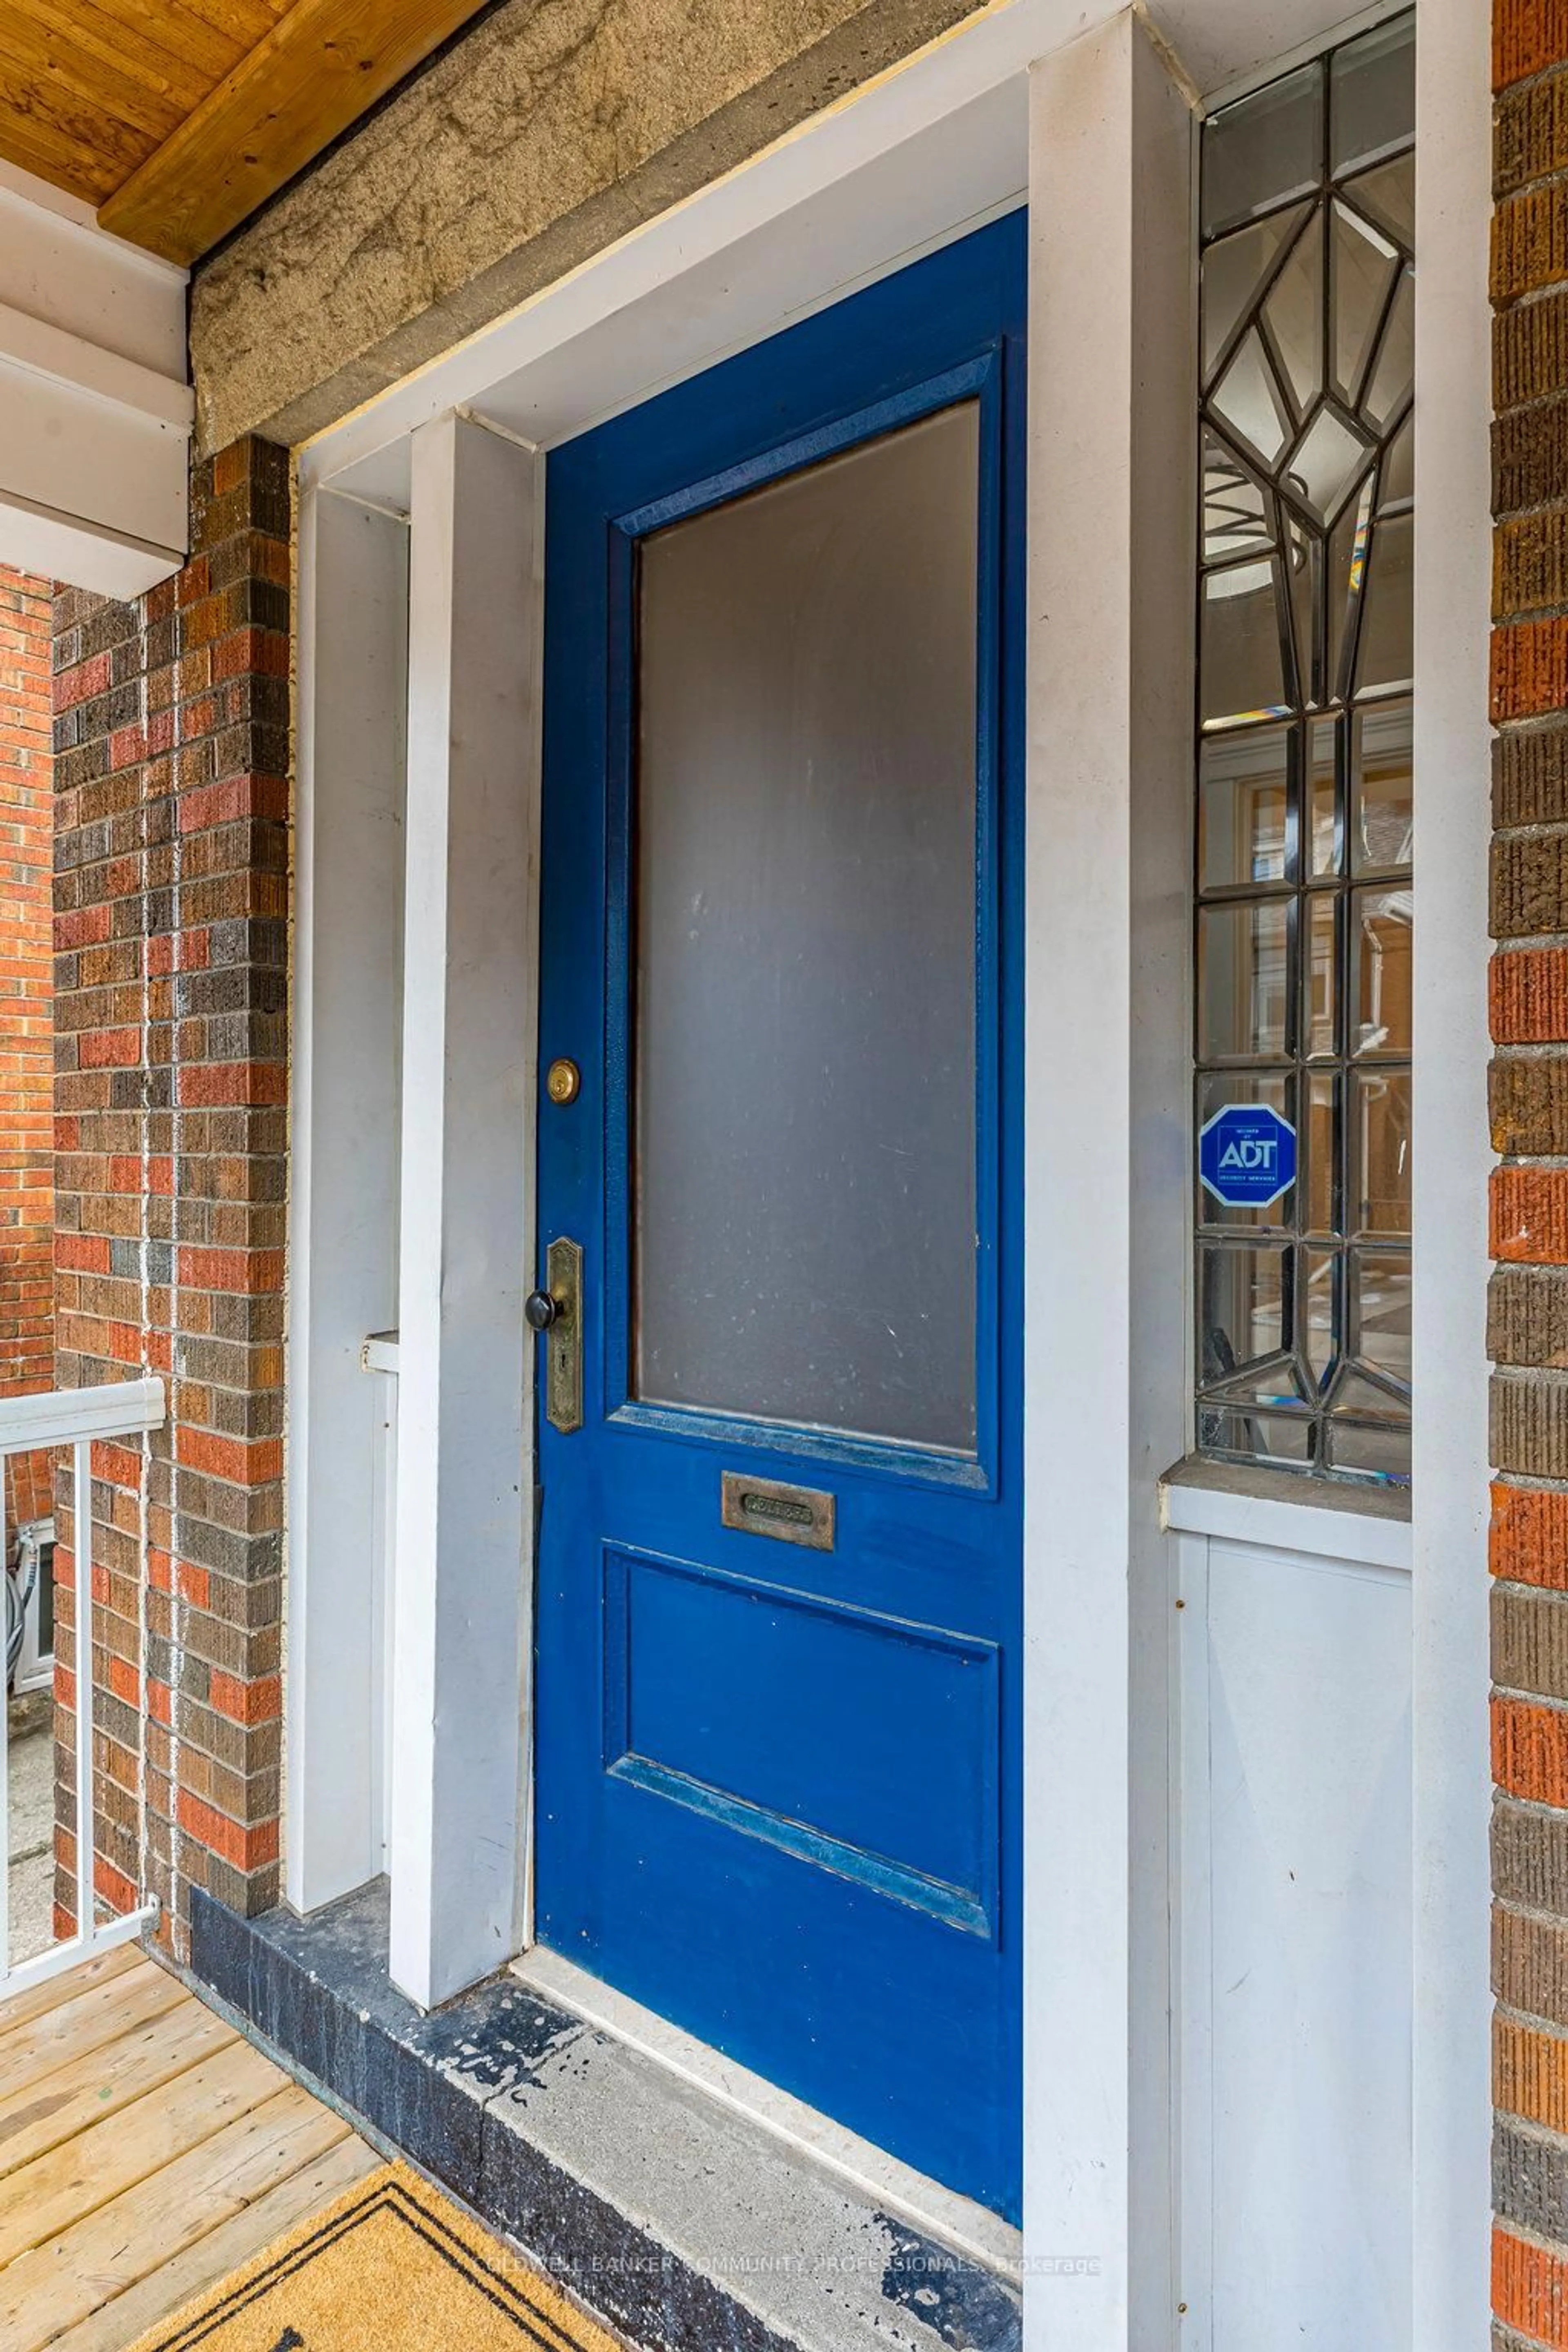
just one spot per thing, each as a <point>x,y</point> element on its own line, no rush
<point>27,1157</point>
<point>171,887</point>
<point>1529,1321</point>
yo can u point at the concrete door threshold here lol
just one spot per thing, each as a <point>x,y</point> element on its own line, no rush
<point>686,2221</point>
<point>871,2176</point>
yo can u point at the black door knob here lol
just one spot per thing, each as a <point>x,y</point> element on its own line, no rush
<point>539,1311</point>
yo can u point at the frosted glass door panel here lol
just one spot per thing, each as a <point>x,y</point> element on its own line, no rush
<point>804,1118</point>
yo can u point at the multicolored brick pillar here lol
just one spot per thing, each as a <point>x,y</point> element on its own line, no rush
<point>26,1048</point>
<point>171,974</point>
<point>1529,1198</point>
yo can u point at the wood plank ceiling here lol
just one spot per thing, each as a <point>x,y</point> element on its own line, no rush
<point>175,119</point>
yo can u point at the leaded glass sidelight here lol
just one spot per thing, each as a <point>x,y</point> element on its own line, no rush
<point>1305,808</point>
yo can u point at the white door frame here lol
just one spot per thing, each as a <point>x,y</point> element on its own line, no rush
<point>1082,108</point>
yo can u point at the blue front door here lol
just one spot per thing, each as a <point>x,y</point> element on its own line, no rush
<point>779,1582</point>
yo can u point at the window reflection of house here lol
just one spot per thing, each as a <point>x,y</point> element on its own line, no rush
<point>1305,805</point>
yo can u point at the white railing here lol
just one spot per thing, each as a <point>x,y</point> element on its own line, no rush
<point>32,1424</point>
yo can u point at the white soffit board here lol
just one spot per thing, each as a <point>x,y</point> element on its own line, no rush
<point>94,410</point>
<point>62,547</point>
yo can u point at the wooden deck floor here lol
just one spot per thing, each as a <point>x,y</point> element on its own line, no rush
<point>146,2150</point>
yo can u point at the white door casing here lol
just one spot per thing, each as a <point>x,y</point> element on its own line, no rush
<point>999,106</point>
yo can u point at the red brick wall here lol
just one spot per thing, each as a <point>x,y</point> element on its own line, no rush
<point>171,882</point>
<point>1528,1318</point>
<point>26,1158</point>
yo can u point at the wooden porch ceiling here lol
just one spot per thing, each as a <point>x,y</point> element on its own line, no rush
<point>177,118</point>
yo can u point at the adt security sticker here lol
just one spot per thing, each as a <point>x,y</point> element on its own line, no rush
<point>1247,1155</point>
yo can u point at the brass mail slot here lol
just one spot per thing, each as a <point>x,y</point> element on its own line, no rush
<point>762,1507</point>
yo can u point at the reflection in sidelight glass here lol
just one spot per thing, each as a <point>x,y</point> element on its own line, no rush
<point>1242,807</point>
<point>1305,801</point>
<point>1240,642</point>
<point>1242,965</point>
<point>1380,1150</point>
<point>804,1060</point>
<point>1272,149</point>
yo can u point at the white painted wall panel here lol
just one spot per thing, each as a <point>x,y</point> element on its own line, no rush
<point>1296,1832</point>
<point>346,1113</point>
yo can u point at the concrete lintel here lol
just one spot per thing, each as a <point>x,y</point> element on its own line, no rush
<point>532,144</point>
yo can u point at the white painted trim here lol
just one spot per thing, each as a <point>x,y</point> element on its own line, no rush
<point>1111,506</point>
<point>462,1646</point>
<point>351,638</point>
<point>34,347</point>
<point>1193,1927</point>
<point>96,414</point>
<point>53,544</point>
<point>1266,1520</point>
<point>62,1957</point>
<point>871,2172</point>
<point>384,1615</point>
<point>86,1692</point>
<point>1452,2097</point>
<point>71,213</point>
<point>62,1416</point>
<point>827,174</point>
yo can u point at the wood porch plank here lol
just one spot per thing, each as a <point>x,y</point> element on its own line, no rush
<point>98,2016</point>
<point>53,2287</point>
<point>60,2189</point>
<point>42,2116</point>
<point>22,2008</point>
<point>311,2188</point>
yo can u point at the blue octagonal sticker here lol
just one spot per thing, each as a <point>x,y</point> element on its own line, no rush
<point>1247,1155</point>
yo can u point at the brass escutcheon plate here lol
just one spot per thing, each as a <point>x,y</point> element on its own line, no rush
<point>564,1081</point>
<point>765,1506</point>
<point>564,1342</point>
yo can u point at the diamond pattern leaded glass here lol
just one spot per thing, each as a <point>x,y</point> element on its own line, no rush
<point>1304,788</point>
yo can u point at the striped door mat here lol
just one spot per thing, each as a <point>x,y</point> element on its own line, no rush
<point>390,2267</point>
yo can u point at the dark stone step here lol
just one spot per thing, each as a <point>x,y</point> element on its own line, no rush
<point>688,2227</point>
